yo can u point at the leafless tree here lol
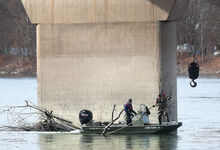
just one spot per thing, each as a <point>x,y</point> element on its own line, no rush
<point>200,26</point>
<point>16,30</point>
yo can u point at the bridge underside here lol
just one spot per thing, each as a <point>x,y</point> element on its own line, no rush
<point>94,55</point>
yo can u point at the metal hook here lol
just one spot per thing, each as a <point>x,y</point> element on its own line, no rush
<point>193,84</point>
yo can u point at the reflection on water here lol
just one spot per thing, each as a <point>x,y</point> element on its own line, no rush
<point>198,109</point>
<point>96,142</point>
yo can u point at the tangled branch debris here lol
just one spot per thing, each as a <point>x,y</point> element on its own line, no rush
<point>34,118</point>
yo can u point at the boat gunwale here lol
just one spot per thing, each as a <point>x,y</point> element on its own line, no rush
<point>141,129</point>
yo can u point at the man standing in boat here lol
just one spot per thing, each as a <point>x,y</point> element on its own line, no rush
<point>129,112</point>
<point>162,106</point>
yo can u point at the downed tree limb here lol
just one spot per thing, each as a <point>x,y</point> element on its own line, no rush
<point>113,112</point>
<point>48,121</point>
<point>109,125</point>
<point>47,113</point>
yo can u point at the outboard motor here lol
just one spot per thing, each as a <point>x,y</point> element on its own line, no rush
<point>85,116</point>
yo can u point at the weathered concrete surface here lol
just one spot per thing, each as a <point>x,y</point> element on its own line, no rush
<point>178,10</point>
<point>92,11</point>
<point>95,66</point>
<point>97,53</point>
<point>168,78</point>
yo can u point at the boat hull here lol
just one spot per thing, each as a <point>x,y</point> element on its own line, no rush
<point>147,129</point>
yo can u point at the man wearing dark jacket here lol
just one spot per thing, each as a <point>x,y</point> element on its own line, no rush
<point>129,112</point>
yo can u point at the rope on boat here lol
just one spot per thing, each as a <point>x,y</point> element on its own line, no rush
<point>121,127</point>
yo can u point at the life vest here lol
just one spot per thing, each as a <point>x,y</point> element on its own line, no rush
<point>129,106</point>
<point>162,96</point>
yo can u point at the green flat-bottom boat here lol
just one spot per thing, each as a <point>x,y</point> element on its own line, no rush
<point>136,129</point>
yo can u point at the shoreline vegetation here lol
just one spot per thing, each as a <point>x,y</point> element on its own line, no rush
<point>209,64</point>
<point>19,66</point>
<point>197,31</point>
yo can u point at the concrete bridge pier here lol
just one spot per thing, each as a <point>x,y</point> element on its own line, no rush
<point>94,54</point>
<point>168,78</point>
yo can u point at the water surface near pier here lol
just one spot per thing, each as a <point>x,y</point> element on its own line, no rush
<point>198,109</point>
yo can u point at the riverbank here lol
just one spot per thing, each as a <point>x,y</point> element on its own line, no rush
<point>209,65</point>
<point>15,66</point>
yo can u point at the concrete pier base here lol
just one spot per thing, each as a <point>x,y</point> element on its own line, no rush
<point>94,54</point>
<point>94,66</point>
<point>168,76</point>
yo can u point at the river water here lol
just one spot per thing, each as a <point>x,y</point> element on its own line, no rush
<point>198,109</point>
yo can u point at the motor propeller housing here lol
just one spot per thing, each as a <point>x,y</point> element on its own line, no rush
<point>85,116</point>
